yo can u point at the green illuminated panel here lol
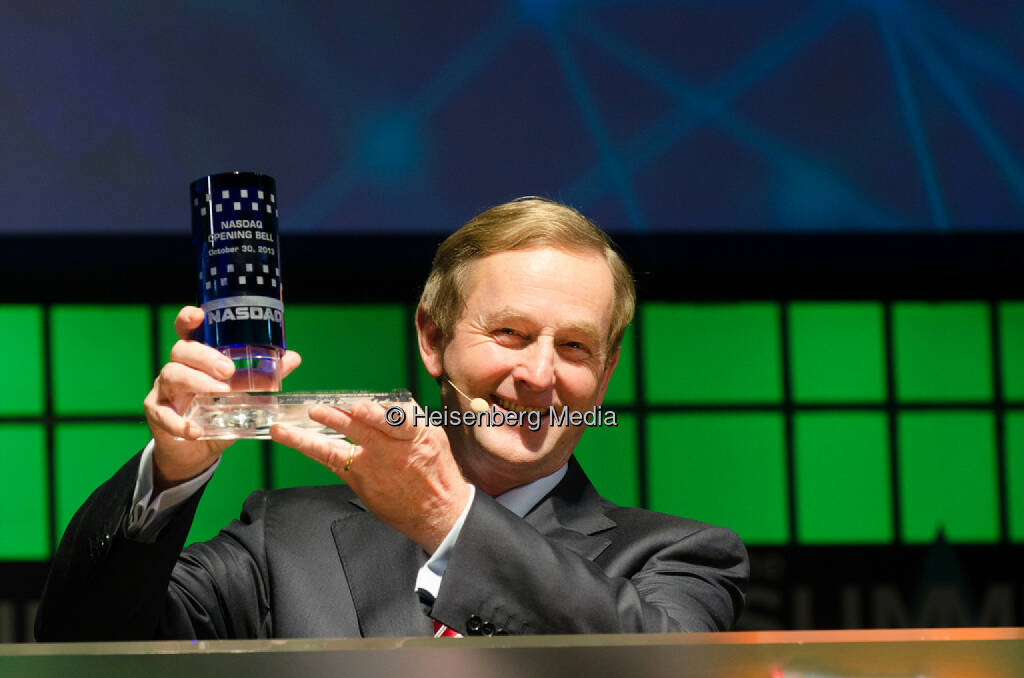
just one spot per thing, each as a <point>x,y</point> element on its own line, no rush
<point>291,468</point>
<point>948,476</point>
<point>87,455</point>
<point>239,474</point>
<point>21,337</point>
<point>167,335</point>
<point>24,531</point>
<point>837,352</point>
<point>842,478</point>
<point>1011,320</point>
<point>718,353</point>
<point>622,387</point>
<point>726,469</point>
<point>608,455</point>
<point>1015,474</point>
<point>359,348</point>
<point>101,359</point>
<point>428,392</point>
<point>942,351</point>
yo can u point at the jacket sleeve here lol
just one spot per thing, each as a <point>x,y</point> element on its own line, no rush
<point>106,586</point>
<point>657,573</point>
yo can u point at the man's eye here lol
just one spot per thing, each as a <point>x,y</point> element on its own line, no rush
<point>576,349</point>
<point>508,336</point>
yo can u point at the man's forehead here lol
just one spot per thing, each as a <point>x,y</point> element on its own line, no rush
<point>531,259</point>
<point>565,271</point>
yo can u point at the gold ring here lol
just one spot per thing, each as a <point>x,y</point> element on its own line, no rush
<point>351,456</point>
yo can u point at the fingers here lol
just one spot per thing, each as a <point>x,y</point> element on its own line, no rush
<point>206,358</point>
<point>372,418</point>
<point>289,362</point>
<point>203,358</point>
<point>334,453</point>
<point>161,416</point>
<point>364,423</point>
<point>177,379</point>
<point>189,318</point>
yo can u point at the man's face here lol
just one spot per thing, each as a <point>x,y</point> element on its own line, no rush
<point>533,334</point>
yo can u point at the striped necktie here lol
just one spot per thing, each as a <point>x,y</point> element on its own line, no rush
<point>442,631</point>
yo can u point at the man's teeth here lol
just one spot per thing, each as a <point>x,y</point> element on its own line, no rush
<point>516,407</point>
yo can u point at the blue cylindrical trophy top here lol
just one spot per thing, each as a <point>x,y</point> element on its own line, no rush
<point>234,235</point>
<point>235,238</point>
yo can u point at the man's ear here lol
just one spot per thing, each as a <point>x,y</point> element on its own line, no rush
<point>431,342</point>
<point>606,377</point>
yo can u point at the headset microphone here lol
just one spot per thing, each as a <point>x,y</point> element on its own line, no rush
<point>475,404</point>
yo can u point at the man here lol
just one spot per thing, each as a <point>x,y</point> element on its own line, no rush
<point>476,529</point>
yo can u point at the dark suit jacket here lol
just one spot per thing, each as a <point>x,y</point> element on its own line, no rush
<point>313,562</point>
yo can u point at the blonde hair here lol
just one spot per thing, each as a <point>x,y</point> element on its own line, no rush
<point>517,225</point>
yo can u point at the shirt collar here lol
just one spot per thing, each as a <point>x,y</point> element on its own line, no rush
<point>519,500</point>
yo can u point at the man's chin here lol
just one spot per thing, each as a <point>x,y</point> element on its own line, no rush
<point>514,443</point>
<point>522,445</point>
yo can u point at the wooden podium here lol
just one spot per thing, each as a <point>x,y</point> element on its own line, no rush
<point>917,653</point>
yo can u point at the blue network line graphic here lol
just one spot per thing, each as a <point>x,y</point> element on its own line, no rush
<point>810,192</point>
<point>649,115</point>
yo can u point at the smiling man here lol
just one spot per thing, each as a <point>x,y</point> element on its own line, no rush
<point>469,529</point>
<point>539,343</point>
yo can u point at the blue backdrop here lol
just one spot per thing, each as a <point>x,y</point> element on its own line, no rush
<point>706,115</point>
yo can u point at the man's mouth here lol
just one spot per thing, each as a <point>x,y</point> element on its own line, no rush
<point>514,406</point>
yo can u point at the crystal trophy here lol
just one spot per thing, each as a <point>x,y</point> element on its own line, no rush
<point>235,238</point>
<point>226,416</point>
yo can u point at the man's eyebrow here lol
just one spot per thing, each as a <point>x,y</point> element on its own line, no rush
<point>501,315</point>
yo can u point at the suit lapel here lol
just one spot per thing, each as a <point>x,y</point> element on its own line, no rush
<point>381,565</point>
<point>572,515</point>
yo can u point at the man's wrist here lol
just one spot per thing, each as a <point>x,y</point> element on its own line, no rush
<point>167,476</point>
<point>451,517</point>
<point>151,510</point>
<point>428,579</point>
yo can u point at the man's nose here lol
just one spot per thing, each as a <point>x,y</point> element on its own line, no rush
<point>536,368</point>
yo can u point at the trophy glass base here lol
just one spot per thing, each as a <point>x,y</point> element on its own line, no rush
<point>257,368</point>
<point>239,414</point>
